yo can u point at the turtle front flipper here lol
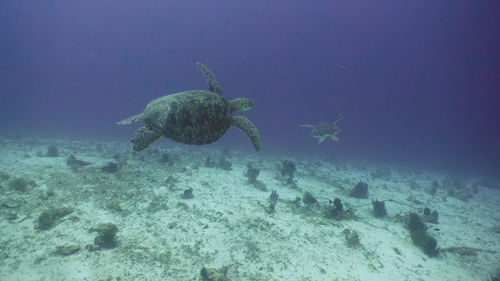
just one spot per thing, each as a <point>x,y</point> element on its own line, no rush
<point>247,127</point>
<point>341,116</point>
<point>131,119</point>
<point>307,126</point>
<point>143,137</point>
<point>213,84</point>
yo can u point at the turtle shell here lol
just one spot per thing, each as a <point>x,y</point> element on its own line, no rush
<point>324,129</point>
<point>190,117</point>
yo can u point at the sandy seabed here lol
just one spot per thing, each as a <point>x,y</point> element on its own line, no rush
<point>227,225</point>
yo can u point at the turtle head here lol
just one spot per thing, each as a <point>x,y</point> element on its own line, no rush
<point>241,104</point>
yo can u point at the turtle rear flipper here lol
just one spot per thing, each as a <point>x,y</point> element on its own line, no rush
<point>143,137</point>
<point>247,127</point>
<point>131,119</point>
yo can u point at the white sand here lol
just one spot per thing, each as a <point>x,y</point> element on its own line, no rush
<point>163,236</point>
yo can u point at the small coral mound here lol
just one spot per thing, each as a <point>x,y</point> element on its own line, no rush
<point>430,217</point>
<point>114,205</point>
<point>188,193</point>
<point>252,173</point>
<point>415,223</point>
<point>287,170</point>
<point>273,199</point>
<point>106,237</point>
<point>381,173</point>
<point>335,209</point>
<point>427,243</point>
<point>19,184</point>
<point>52,151</point>
<point>111,168</point>
<point>351,237</point>
<point>75,164</point>
<point>169,158</point>
<point>309,199</point>
<point>379,210</point>
<point>50,217</point>
<point>67,250</point>
<point>419,235</point>
<point>360,190</point>
<point>496,277</point>
<point>214,274</point>
<point>219,162</point>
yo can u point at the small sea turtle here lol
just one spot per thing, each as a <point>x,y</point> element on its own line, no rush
<point>192,117</point>
<point>325,130</point>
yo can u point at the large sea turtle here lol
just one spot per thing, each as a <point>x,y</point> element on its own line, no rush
<point>192,117</point>
<point>325,130</point>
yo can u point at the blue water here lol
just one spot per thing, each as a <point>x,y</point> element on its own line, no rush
<point>417,81</point>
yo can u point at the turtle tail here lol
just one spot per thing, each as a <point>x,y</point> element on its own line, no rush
<point>247,127</point>
<point>131,119</point>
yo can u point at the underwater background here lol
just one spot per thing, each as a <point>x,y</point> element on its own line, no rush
<point>410,191</point>
<point>417,82</point>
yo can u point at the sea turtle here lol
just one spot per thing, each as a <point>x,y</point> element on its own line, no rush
<point>192,117</point>
<point>325,130</point>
